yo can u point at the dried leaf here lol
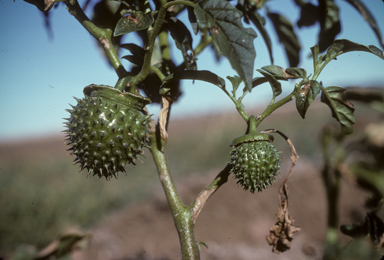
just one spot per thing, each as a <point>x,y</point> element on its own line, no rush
<point>163,118</point>
<point>281,234</point>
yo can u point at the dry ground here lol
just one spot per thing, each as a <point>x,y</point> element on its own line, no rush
<point>233,223</point>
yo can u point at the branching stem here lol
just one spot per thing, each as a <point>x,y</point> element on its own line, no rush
<point>102,35</point>
<point>152,35</point>
<point>204,195</point>
<point>276,105</point>
<point>182,215</point>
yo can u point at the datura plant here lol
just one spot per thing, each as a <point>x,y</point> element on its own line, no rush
<point>110,127</point>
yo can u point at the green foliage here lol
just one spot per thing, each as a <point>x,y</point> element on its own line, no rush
<point>360,158</point>
<point>341,109</point>
<point>287,37</point>
<point>134,22</point>
<point>306,96</point>
<point>254,162</point>
<point>231,39</point>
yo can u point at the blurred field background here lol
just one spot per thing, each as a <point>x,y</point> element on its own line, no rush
<point>42,195</point>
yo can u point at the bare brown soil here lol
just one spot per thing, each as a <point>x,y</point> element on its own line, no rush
<point>234,223</point>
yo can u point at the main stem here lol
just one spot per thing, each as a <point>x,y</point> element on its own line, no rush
<point>182,215</point>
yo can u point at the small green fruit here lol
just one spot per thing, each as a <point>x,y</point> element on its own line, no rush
<point>255,161</point>
<point>107,129</point>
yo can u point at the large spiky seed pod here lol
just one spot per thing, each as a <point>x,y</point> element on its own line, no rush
<point>255,161</point>
<point>107,129</point>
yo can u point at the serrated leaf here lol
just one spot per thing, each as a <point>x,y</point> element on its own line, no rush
<point>133,22</point>
<point>229,35</point>
<point>329,23</point>
<point>306,96</point>
<point>275,84</point>
<point>287,37</point>
<point>343,46</point>
<point>183,40</point>
<point>360,7</point>
<point>342,109</point>
<point>203,75</point>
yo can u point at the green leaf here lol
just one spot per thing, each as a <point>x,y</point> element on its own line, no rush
<point>309,15</point>
<point>229,35</point>
<point>360,7</point>
<point>369,177</point>
<point>236,81</point>
<point>133,22</point>
<point>282,74</point>
<point>277,71</point>
<point>258,81</point>
<point>183,40</point>
<point>275,84</point>
<point>296,72</point>
<point>306,96</point>
<point>342,109</point>
<point>41,4</point>
<point>259,22</point>
<point>134,60</point>
<point>315,54</point>
<point>134,49</point>
<point>137,56</point>
<point>192,19</point>
<point>371,96</point>
<point>203,75</point>
<point>343,46</point>
<point>329,23</point>
<point>287,37</point>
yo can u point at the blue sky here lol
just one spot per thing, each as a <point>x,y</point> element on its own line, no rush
<point>39,75</point>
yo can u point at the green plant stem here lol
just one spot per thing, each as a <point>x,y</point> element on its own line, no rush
<point>272,107</point>
<point>164,46</point>
<point>182,215</point>
<point>238,104</point>
<point>102,35</point>
<point>179,2</point>
<point>153,33</point>
<point>122,83</point>
<point>204,42</point>
<point>158,73</point>
<point>204,195</point>
<point>332,180</point>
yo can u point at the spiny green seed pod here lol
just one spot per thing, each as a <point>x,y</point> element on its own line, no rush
<point>107,129</point>
<point>255,160</point>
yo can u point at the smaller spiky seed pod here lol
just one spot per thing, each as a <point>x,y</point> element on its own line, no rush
<point>107,130</point>
<point>255,160</point>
